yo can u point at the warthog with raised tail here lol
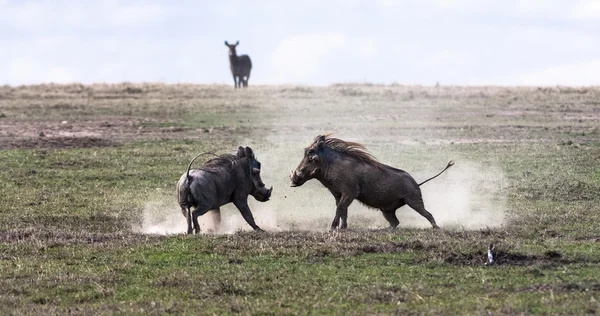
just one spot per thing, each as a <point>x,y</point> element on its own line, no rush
<point>223,179</point>
<point>240,66</point>
<point>350,172</point>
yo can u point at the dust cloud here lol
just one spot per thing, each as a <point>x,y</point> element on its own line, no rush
<point>163,217</point>
<point>467,196</point>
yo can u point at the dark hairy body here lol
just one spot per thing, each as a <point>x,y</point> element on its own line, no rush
<point>221,180</point>
<point>240,66</point>
<point>351,173</point>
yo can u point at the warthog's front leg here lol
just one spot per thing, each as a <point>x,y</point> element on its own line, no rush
<point>246,213</point>
<point>390,216</point>
<point>341,212</point>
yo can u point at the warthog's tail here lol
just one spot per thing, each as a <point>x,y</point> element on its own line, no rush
<point>450,164</point>
<point>191,162</point>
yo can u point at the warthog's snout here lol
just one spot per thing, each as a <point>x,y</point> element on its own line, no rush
<point>263,194</point>
<point>297,178</point>
<point>268,194</point>
<point>293,179</point>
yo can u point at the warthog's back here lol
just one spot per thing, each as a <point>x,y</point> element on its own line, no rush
<point>380,187</point>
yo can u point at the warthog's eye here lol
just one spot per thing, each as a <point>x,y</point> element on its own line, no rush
<point>255,170</point>
<point>313,158</point>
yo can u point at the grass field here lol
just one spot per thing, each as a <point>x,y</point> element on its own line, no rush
<point>89,221</point>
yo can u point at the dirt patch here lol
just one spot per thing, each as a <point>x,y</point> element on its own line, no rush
<point>558,288</point>
<point>65,237</point>
<point>396,247</point>
<point>360,243</point>
<point>478,258</point>
<point>103,132</point>
<point>389,294</point>
<point>56,142</point>
<point>182,280</point>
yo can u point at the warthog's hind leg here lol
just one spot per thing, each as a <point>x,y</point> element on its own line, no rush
<point>188,217</point>
<point>418,206</point>
<point>199,211</point>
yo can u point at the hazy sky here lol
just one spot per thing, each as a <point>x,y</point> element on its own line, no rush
<point>474,42</point>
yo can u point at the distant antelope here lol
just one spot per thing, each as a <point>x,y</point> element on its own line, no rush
<point>240,66</point>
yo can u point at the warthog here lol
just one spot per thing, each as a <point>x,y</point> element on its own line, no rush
<point>350,172</point>
<point>226,178</point>
<point>240,66</point>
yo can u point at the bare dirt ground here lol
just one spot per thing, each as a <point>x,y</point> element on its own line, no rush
<point>77,116</point>
<point>103,115</point>
<point>100,132</point>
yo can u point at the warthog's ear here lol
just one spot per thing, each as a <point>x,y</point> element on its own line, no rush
<point>320,141</point>
<point>237,43</point>
<point>249,153</point>
<point>226,44</point>
<point>241,153</point>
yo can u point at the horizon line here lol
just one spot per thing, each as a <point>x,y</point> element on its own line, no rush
<point>334,84</point>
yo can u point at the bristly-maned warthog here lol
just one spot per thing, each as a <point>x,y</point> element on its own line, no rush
<point>350,172</point>
<point>226,178</point>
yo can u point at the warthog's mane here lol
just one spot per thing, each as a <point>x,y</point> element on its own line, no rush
<point>353,149</point>
<point>223,161</point>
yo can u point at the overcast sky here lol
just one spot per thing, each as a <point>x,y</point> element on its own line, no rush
<point>471,42</point>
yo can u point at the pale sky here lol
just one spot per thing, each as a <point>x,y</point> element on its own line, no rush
<point>315,42</point>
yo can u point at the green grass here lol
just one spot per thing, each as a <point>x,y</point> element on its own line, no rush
<point>298,272</point>
<point>66,214</point>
